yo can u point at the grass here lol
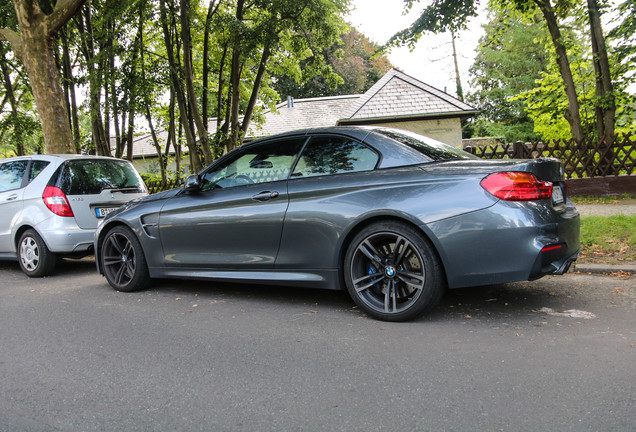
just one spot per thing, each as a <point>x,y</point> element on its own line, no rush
<point>608,239</point>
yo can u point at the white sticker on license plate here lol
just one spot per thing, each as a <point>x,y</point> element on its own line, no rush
<point>557,195</point>
<point>100,212</point>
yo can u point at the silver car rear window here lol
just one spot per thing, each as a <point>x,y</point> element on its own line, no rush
<point>88,177</point>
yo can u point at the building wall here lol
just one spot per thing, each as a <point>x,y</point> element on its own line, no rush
<point>448,130</point>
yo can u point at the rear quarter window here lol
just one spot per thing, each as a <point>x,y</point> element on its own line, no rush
<point>89,177</point>
<point>37,166</point>
<point>431,149</point>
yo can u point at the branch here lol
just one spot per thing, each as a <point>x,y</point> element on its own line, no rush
<point>63,12</point>
<point>14,40</point>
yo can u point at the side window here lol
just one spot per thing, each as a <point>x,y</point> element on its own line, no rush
<point>334,155</point>
<point>259,164</point>
<point>11,174</point>
<point>36,168</point>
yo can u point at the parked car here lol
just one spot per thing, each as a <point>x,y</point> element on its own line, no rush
<point>50,205</point>
<point>393,216</point>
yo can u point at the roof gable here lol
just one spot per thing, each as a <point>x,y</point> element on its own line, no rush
<point>400,95</point>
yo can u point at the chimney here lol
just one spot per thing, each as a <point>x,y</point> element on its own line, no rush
<point>290,102</point>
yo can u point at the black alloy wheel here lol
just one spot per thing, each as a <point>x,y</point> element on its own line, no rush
<point>392,272</point>
<point>123,261</point>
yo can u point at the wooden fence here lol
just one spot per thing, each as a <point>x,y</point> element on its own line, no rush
<point>158,186</point>
<point>589,159</point>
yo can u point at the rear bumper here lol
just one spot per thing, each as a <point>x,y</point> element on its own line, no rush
<point>62,235</point>
<point>508,242</point>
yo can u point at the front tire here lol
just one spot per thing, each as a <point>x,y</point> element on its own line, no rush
<point>392,272</point>
<point>123,261</point>
<point>35,258</point>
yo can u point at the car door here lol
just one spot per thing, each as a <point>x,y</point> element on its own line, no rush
<point>12,182</point>
<point>235,219</point>
<point>326,191</point>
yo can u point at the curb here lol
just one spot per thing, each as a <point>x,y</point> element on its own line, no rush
<point>604,268</point>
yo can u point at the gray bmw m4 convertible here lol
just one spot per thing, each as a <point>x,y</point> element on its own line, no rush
<point>393,217</point>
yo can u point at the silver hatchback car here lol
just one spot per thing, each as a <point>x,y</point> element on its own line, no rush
<point>50,205</point>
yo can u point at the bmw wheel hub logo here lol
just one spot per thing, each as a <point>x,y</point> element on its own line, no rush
<point>389,271</point>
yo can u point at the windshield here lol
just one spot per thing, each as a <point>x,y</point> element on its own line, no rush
<point>432,149</point>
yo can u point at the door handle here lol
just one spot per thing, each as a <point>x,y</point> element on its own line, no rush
<point>12,197</point>
<point>265,196</point>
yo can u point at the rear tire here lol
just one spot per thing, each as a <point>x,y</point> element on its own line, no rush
<point>392,272</point>
<point>123,261</point>
<point>34,256</point>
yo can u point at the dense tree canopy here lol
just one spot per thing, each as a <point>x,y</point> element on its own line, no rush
<point>200,70</point>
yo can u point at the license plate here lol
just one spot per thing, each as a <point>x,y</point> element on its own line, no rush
<point>557,195</point>
<point>100,212</point>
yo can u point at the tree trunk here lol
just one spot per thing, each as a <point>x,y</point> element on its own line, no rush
<point>201,127</point>
<point>35,48</point>
<point>17,132</point>
<point>458,81</point>
<point>85,27</point>
<point>196,164</point>
<point>572,114</point>
<point>72,99</point>
<point>155,142</point>
<point>605,103</point>
<point>255,89</point>
<point>206,68</point>
<point>235,82</point>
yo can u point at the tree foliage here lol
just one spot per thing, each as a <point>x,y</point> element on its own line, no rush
<point>32,43</point>
<point>448,14</point>
<point>510,58</point>
<point>202,71</point>
<point>350,66</point>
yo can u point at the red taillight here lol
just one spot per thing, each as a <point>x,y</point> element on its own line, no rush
<point>516,186</point>
<point>56,201</point>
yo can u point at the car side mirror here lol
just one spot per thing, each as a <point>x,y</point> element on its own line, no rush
<point>192,184</point>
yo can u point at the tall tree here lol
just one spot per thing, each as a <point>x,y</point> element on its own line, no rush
<point>34,45</point>
<point>605,103</point>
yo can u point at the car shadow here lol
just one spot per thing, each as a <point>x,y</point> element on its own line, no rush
<point>63,268</point>
<point>492,302</point>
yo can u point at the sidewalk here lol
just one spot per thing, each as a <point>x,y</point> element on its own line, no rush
<point>626,207</point>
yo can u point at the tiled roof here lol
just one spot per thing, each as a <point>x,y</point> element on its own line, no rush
<point>306,113</point>
<point>398,95</point>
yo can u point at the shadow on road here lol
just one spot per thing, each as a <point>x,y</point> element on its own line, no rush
<point>488,302</point>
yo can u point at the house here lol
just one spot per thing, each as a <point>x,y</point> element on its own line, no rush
<point>397,100</point>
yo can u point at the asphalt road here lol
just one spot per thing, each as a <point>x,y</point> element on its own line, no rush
<point>191,356</point>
